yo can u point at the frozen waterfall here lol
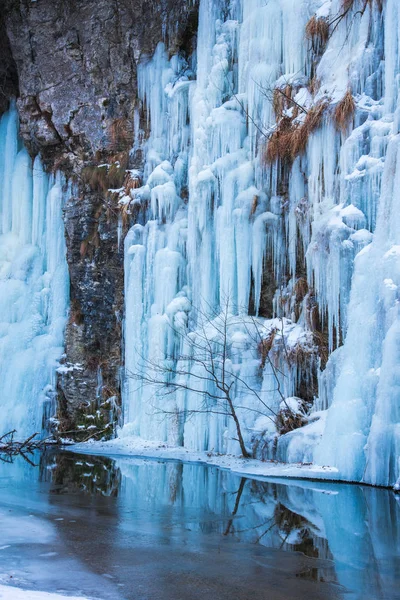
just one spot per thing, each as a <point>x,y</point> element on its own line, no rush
<point>34,286</point>
<point>225,225</point>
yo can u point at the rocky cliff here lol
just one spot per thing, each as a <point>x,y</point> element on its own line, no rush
<point>73,67</point>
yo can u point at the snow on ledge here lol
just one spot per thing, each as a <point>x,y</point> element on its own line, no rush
<point>137,447</point>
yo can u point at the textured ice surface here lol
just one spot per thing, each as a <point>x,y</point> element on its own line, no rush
<point>33,284</point>
<point>341,206</point>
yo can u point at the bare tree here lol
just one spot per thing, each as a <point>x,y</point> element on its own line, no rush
<point>202,365</point>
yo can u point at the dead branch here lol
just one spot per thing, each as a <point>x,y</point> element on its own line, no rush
<point>10,447</point>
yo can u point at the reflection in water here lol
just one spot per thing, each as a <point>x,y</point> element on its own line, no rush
<point>178,530</point>
<point>88,475</point>
<point>353,530</point>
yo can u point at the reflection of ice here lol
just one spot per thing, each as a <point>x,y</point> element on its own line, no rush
<point>342,534</point>
<point>351,527</point>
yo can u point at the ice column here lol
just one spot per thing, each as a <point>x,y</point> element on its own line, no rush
<point>34,287</point>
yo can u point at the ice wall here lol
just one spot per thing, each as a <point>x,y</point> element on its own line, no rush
<point>34,285</point>
<point>224,225</point>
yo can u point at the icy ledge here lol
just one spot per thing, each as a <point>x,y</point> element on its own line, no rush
<point>136,446</point>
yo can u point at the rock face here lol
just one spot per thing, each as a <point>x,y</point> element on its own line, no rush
<point>8,69</point>
<point>73,67</point>
<point>77,62</point>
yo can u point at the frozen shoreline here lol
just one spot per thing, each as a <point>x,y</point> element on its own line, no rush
<point>137,447</point>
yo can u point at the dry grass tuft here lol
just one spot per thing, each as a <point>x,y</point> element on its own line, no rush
<point>280,142</point>
<point>344,111</point>
<point>290,139</point>
<point>282,100</point>
<point>277,103</point>
<point>322,343</point>
<point>317,30</point>
<point>125,214</point>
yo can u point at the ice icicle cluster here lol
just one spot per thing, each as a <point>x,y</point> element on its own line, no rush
<point>224,226</point>
<point>34,287</point>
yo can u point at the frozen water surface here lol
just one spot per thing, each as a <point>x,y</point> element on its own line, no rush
<point>92,527</point>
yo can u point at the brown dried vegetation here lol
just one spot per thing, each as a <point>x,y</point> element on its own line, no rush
<point>254,205</point>
<point>132,182</point>
<point>317,30</point>
<point>102,178</point>
<point>344,111</point>
<point>120,134</point>
<point>282,100</point>
<point>289,139</point>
